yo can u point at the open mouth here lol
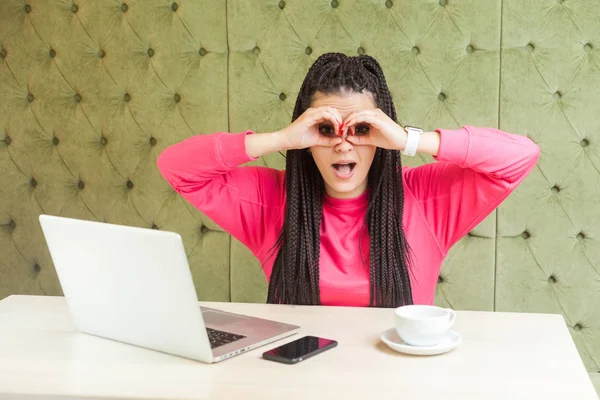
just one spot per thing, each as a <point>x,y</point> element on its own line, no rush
<point>344,168</point>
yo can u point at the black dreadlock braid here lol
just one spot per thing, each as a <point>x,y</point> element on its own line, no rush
<point>295,275</point>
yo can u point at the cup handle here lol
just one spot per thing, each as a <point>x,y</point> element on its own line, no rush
<point>452,318</point>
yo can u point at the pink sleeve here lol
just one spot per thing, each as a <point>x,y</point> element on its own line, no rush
<point>475,170</point>
<point>244,201</point>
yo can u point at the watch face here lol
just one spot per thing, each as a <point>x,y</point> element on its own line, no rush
<point>412,128</point>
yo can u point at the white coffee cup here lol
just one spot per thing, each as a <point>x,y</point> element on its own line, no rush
<point>423,325</point>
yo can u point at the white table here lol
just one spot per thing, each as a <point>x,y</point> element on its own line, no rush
<point>503,356</point>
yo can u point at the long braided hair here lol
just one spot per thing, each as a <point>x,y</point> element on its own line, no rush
<point>295,275</point>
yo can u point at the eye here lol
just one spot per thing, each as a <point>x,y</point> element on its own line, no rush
<point>326,130</point>
<point>362,129</point>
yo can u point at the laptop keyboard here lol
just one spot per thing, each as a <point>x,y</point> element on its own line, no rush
<point>220,338</point>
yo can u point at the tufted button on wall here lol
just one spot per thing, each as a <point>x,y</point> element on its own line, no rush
<point>150,52</point>
<point>440,279</point>
<point>555,189</point>
<point>415,50</point>
<point>177,98</point>
<point>256,50</point>
<point>525,235</point>
<point>282,96</point>
<point>55,141</point>
<point>281,4</point>
<point>202,51</point>
<point>78,98</point>
<point>441,97</point>
<point>124,7</point>
<point>578,327</point>
<point>580,236</point>
<point>3,53</point>
<point>7,140</point>
<point>174,6</point>
<point>27,8</point>
<point>584,143</point>
<point>154,226</point>
<point>308,51</point>
<point>152,141</point>
<point>80,185</point>
<point>334,3</point>
<point>127,97</point>
<point>470,49</point>
<point>37,268</point>
<point>389,3</point>
<point>204,230</point>
<point>560,1</point>
<point>12,224</point>
<point>52,53</point>
<point>30,98</point>
<point>557,95</point>
<point>530,47</point>
<point>33,182</point>
<point>360,50</point>
<point>129,184</point>
<point>552,279</point>
<point>74,8</point>
<point>587,47</point>
<point>101,53</point>
<point>443,3</point>
<point>103,141</point>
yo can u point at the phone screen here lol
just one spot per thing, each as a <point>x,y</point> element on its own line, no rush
<point>299,349</point>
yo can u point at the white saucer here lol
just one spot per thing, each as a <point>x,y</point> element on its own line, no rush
<point>449,342</point>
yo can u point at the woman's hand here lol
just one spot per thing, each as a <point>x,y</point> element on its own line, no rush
<point>315,127</point>
<point>373,127</point>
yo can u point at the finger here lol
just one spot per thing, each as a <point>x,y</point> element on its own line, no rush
<point>330,141</point>
<point>332,112</point>
<point>358,140</point>
<point>351,116</point>
<point>368,119</point>
<point>327,116</point>
<point>369,111</point>
<point>359,116</point>
<point>347,127</point>
<point>335,112</point>
<point>339,121</point>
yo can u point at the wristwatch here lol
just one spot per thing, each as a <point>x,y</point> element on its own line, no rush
<point>412,141</point>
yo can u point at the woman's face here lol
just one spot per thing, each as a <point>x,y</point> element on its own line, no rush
<point>344,167</point>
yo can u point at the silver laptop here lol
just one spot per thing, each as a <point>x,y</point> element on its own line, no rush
<point>134,285</point>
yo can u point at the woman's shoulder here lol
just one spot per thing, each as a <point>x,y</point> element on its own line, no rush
<point>260,184</point>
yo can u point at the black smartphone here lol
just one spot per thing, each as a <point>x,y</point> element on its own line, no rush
<point>299,349</point>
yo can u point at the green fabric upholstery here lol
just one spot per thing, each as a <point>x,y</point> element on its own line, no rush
<point>91,91</point>
<point>547,254</point>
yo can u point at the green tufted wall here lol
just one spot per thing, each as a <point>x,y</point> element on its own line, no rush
<point>91,91</point>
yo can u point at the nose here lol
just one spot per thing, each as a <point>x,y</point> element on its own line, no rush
<point>345,146</point>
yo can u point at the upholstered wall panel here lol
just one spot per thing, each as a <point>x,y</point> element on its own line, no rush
<point>92,91</point>
<point>442,65</point>
<point>548,258</point>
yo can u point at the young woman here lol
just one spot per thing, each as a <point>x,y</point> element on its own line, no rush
<point>345,223</point>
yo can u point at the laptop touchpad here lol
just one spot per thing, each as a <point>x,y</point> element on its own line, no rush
<point>218,318</point>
